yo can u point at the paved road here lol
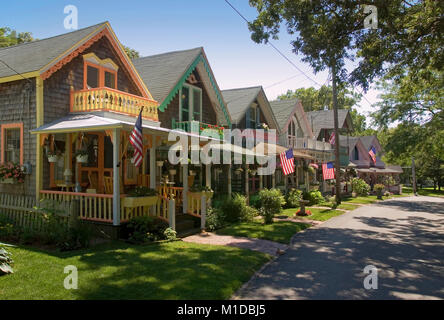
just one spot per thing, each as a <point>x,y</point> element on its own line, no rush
<point>402,238</point>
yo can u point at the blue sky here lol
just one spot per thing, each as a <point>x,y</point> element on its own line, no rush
<point>153,27</point>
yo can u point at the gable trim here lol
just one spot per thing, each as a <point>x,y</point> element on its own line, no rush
<point>185,76</point>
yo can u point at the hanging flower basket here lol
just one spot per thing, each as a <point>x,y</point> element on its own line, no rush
<point>52,158</point>
<point>82,158</point>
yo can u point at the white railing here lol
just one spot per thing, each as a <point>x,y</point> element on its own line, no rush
<point>308,143</point>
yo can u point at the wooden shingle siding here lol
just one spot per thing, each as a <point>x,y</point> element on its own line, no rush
<point>14,109</point>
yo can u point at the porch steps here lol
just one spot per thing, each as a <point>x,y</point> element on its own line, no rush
<point>187,225</point>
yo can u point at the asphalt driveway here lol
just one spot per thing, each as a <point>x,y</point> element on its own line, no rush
<point>402,238</point>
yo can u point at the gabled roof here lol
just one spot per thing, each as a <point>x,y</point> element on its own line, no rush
<point>323,119</point>
<point>165,74</point>
<point>33,56</point>
<point>239,100</point>
<point>284,110</point>
<point>367,141</point>
<point>352,141</point>
<point>44,57</point>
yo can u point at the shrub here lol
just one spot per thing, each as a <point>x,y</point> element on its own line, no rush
<point>7,229</point>
<point>272,201</point>
<point>378,188</point>
<point>360,187</point>
<point>236,209</point>
<point>215,219</point>
<point>144,229</point>
<point>5,262</point>
<point>170,234</point>
<point>314,197</point>
<point>255,201</point>
<point>293,197</point>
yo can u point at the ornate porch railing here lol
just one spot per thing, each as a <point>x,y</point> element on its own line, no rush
<point>201,128</point>
<point>107,99</point>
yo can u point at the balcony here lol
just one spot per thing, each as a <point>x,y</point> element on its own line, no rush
<point>111,100</point>
<point>307,143</point>
<point>204,129</point>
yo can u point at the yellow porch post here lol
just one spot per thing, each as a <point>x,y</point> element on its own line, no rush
<point>38,151</point>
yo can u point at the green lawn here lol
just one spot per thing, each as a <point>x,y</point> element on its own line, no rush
<point>280,231</point>
<point>173,270</point>
<point>361,200</point>
<point>424,192</point>
<point>343,206</point>
<point>317,213</point>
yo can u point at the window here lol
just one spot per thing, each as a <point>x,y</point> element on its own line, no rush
<point>92,77</point>
<point>190,103</point>
<point>99,73</point>
<point>12,143</point>
<point>355,154</point>
<point>253,117</point>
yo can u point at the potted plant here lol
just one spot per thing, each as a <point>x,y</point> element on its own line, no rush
<point>81,156</point>
<point>11,173</point>
<point>53,156</point>
<point>203,190</point>
<point>140,197</point>
<point>379,188</point>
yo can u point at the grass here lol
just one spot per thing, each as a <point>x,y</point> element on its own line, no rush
<point>424,192</point>
<point>279,231</point>
<point>318,214</point>
<point>172,270</point>
<point>343,206</point>
<point>360,200</point>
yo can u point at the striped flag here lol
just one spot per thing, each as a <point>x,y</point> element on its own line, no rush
<point>287,161</point>
<point>136,140</point>
<point>328,171</point>
<point>372,154</point>
<point>314,165</point>
<point>332,139</point>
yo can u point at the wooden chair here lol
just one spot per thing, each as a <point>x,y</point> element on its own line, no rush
<point>93,183</point>
<point>108,185</point>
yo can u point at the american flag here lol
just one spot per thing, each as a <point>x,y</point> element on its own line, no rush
<point>332,139</point>
<point>136,140</point>
<point>287,161</point>
<point>328,171</point>
<point>372,154</point>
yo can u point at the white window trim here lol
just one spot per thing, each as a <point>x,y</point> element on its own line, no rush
<point>191,102</point>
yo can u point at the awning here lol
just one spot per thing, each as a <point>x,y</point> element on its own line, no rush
<point>92,122</point>
<point>267,148</point>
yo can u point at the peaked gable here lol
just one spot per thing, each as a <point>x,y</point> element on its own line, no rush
<point>284,110</point>
<point>166,73</point>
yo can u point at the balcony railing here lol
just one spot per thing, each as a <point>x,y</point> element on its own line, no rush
<point>107,99</point>
<point>205,129</point>
<point>307,143</point>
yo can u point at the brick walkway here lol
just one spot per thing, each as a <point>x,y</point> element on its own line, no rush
<point>265,246</point>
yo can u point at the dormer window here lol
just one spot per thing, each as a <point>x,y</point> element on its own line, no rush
<point>190,103</point>
<point>99,72</point>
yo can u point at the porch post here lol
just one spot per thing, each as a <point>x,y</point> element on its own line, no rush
<point>208,175</point>
<point>261,182</point>
<point>153,171</point>
<point>172,214</point>
<point>116,177</point>
<point>229,179</point>
<point>185,188</point>
<point>247,186</point>
<point>273,179</point>
<point>203,212</point>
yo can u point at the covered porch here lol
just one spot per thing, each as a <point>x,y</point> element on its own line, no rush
<point>83,153</point>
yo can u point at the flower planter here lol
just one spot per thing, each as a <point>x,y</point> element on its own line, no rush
<point>134,202</point>
<point>53,158</point>
<point>172,172</point>
<point>7,181</point>
<point>82,158</point>
<point>207,194</point>
<point>159,163</point>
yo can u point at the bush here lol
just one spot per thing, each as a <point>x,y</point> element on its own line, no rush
<point>5,262</point>
<point>215,219</point>
<point>170,234</point>
<point>236,209</point>
<point>255,201</point>
<point>8,231</point>
<point>272,201</point>
<point>293,197</point>
<point>145,229</point>
<point>314,197</point>
<point>360,187</point>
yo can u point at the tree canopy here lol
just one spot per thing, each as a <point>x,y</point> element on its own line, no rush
<point>132,53</point>
<point>9,37</point>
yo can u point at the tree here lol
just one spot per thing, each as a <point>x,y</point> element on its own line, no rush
<point>9,37</point>
<point>132,54</point>
<point>329,32</point>
<point>321,99</point>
